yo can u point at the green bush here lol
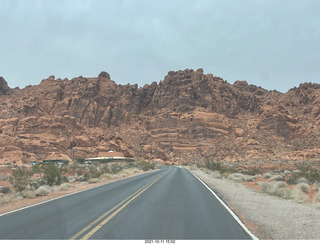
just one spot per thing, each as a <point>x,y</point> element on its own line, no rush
<point>309,173</point>
<point>20,178</point>
<point>5,190</point>
<point>212,165</point>
<point>93,173</point>
<point>80,160</point>
<point>115,169</point>
<point>216,166</point>
<point>52,174</point>
<point>145,166</point>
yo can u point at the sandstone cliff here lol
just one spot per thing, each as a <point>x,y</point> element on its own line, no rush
<point>188,114</point>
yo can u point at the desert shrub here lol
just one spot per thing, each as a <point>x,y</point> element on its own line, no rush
<point>212,165</point>
<point>5,190</point>
<point>85,177</point>
<point>207,171</point>
<point>283,192</point>
<point>145,166</point>
<point>236,177</point>
<point>5,199</point>
<point>43,190</point>
<point>240,177</point>
<point>252,172</point>
<point>274,188</point>
<point>115,168</point>
<point>286,172</point>
<point>79,172</point>
<point>37,169</point>
<point>267,175</point>
<point>29,194</point>
<point>248,178</point>
<point>309,173</point>
<point>303,187</point>
<point>277,178</point>
<point>65,186</point>
<point>35,184</point>
<point>278,189</point>
<point>302,180</point>
<point>52,174</point>
<point>92,173</point>
<point>93,180</point>
<point>316,186</point>
<point>316,198</point>
<point>3,177</point>
<point>80,160</point>
<point>54,188</point>
<point>298,195</point>
<point>105,176</point>
<point>281,184</point>
<point>265,186</point>
<point>131,171</point>
<point>105,169</point>
<point>217,166</point>
<point>216,174</point>
<point>20,178</point>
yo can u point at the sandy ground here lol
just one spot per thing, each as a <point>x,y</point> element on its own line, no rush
<point>267,217</point>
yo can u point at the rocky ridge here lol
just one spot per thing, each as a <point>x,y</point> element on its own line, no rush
<point>188,114</point>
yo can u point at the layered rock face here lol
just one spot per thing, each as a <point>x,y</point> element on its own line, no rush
<point>189,114</point>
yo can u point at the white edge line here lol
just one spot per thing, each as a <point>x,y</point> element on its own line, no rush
<point>229,210</point>
<point>53,199</point>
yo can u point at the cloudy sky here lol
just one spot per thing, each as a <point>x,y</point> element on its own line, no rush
<point>270,43</point>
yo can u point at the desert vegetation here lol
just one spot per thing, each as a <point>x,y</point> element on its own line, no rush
<point>294,180</point>
<point>48,177</point>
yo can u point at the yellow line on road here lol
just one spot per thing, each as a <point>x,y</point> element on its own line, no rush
<point>125,202</point>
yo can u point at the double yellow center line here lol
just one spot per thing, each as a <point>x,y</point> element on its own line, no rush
<point>94,226</point>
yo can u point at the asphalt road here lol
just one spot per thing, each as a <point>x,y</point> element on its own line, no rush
<point>166,204</point>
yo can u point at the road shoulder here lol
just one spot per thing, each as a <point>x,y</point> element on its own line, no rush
<point>267,217</point>
<point>76,187</point>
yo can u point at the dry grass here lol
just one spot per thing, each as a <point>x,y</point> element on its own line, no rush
<point>316,199</point>
<point>273,188</point>
<point>241,177</point>
<point>29,194</point>
<point>277,178</point>
<point>43,190</point>
<point>236,177</point>
<point>303,187</point>
<point>279,189</point>
<point>65,186</point>
<point>6,198</point>
<point>216,174</point>
<point>94,180</point>
<point>267,175</point>
<point>298,195</point>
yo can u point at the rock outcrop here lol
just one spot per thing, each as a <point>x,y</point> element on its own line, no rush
<point>188,114</point>
<point>4,88</point>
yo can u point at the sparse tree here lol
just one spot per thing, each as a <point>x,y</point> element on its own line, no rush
<point>20,178</point>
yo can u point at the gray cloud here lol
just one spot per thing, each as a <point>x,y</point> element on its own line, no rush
<point>270,43</point>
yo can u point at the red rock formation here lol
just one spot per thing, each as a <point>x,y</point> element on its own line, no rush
<point>188,114</point>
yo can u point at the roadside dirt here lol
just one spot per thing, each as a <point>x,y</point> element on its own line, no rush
<point>267,217</point>
<point>76,187</point>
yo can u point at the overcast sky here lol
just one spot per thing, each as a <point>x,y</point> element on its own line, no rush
<point>270,43</point>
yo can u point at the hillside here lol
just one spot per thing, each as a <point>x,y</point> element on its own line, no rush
<point>188,114</point>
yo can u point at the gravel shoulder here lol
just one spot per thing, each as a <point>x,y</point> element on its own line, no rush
<point>267,217</point>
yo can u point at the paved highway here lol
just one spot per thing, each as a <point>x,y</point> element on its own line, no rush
<point>169,203</point>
